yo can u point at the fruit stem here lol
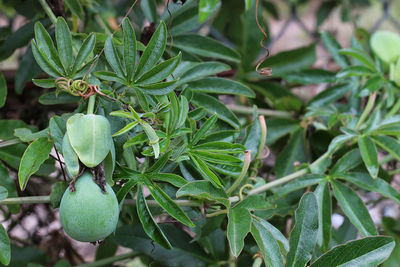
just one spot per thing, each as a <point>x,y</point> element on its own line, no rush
<point>90,108</point>
<point>48,11</point>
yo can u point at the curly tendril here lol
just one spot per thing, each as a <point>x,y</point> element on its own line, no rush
<point>77,87</point>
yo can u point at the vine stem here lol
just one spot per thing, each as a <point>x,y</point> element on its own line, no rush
<point>131,202</point>
<point>282,180</point>
<point>367,110</point>
<point>48,11</point>
<point>265,112</point>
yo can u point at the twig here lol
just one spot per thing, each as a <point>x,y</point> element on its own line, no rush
<point>48,11</point>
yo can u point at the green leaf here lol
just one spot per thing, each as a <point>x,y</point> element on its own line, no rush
<point>278,128</point>
<point>216,85</point>
<point>290,61</point>
<point>84,51</point>
<point>204,129</point>
<point>3,90</point>
<point>109,76</point>
<point>168,204</point>
<point>34,156</point>
<point>205,171</point>
<point>44,63</point>
<point>239,224</point>
<point>203,190</point>
<point>324,200</point>
<point>360,56</point>
<point>267,244</point>
<point>330,95</point>
<point>354,71</point>
<point>8,184</point>
<point>75,7</point>
<point>205,47</point>
<point>46,46</point>
<point>71,159</point>
<point>294,151</point>
<point>57,193</point>
<point>171,178</point>
<point>27,69</point>
<point>220,147</point>
<point>149,8</point>
<point>50,98</point>
<point>304,234</point>
<point>340,140</point>
<point>354,208</point>
<point>159,164</point>
<point>153,51</point>
<point>333,47</point>
<point>113,58</point>
<point>26,135</point>
<point>64,43</point>
<point>214,106</point>
<point>3,193</point>
<point>5,249</point>
<point>369,155</point>
<point>311,76</point>
<point>369,251</point>
<point>201,70</point>
<point>126,129</point>
<point>149,225</point>
<point>297,184</point>
<point>109,164</point>
<point>160,71</point>
<point>389,144</point>
<point>207,8</point>
<point>349,161</point>
<point>385,44</point>
<point>44,83</point>
<point>365,181</point>
<point>57,126</point>
<point>374,83</point>
<point>278,236</point>
<point>129,48</point>
<point>125,189</point>
<point>161,88</point>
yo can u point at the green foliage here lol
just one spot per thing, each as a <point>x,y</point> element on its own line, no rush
<point>149,118</point>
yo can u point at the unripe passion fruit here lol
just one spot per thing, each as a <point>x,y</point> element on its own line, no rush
<point>88,214</point>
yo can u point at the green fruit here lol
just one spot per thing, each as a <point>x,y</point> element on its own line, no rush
<point>88,214</point>
<point>90,137</point>
<point>386,45</point>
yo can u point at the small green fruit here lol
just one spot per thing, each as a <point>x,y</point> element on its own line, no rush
<point>88,214</point>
